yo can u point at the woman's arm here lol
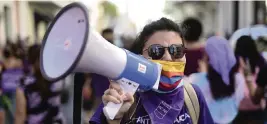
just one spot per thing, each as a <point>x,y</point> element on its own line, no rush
<point>249,77</point>
<point>256,93</point>
<point>20,114</point>
<point>251,86</point>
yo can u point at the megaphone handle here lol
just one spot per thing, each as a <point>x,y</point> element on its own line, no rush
<point>128,86</point>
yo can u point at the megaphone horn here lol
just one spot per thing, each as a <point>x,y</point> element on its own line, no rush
<point>70,45</point>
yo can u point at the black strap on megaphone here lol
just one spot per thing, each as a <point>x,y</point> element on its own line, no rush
<point>79,79</point>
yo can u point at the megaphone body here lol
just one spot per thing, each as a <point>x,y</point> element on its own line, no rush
<point>70,46</point>
<point>102,57</point>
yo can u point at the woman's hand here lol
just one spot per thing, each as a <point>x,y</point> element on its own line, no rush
<point>116,95</point>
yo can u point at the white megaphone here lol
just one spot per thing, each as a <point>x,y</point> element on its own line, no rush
<point>70,45</point>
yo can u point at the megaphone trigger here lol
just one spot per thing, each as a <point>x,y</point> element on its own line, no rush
<point>128,86</point>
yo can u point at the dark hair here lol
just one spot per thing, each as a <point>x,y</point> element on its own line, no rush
<point>8,52</point>
<point>246,48</point>
<point>41,84</point>
<point>33,53</point>
<point>107,30</point>
<point>13,50</point>
<point>150,29</point>
<point>218,88</point>
<point>192,29</point>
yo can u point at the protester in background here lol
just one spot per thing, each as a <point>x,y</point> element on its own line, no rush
<point>246,48</point>
<point>250,62</point>
<point>195,48</point>
<point>12,57</point>
<point>108,35</point>
<point>11,73</point>
<point>219,80</point>
<point>38,100</point>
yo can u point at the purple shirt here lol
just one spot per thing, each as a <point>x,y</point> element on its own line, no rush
<point>11,79</point>
<point>99,84</point>
<point>141,116</point>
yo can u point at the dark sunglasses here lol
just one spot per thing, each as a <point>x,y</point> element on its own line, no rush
<point>156,51</point>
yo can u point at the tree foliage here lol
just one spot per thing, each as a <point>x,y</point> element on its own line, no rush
<point>109,8</point>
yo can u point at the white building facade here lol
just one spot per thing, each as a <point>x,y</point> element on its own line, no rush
<point>26,19</point>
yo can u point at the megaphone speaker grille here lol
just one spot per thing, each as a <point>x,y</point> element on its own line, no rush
<point>65,38</point>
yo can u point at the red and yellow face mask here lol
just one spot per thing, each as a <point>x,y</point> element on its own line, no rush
<point>171,75</point>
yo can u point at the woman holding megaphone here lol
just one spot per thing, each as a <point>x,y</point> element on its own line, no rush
<point>176,101</point>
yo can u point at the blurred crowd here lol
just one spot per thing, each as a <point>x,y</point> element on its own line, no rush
<point>208,66</point>
<point>27,97</point>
